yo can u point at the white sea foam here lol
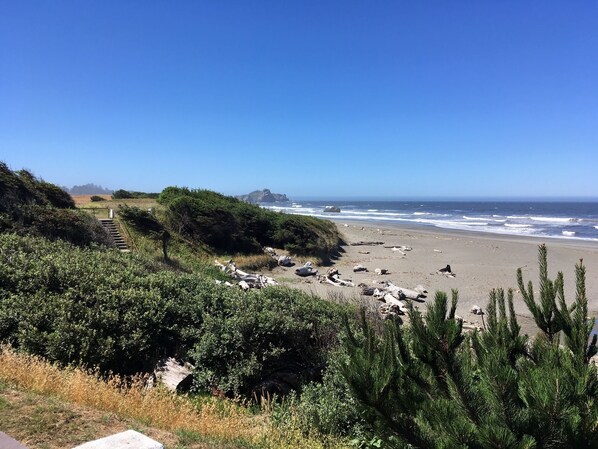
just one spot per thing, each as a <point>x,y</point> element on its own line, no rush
<point>553,219</point>
<point>569,233</point>
<point>517,225</point>
<point>474,218</point>
<point>595,227</point>
<point>422,213</point>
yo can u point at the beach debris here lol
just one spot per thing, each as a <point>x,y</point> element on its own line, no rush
<point>358,268</point>
<point>363,252</point>
<point>400,248</point>
<point>416,293</point>
<point>285,261</point>
<point>477,310</point>
<point>366,243</point>
<point>250,280</point>
<point>380,271</point>
<point>390,299</point>
<point>388,311</point>
<point>333,277</point>
<point>386,288</point>
<point>447,271</point>
<point>437,250</point>
<point>175,375</point>
<point>346,225</point>
<point>306,270</point>
<point>366,290</point>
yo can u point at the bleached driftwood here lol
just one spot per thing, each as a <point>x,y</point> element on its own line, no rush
<point>390,299</point>
<point>306,270</point>
<point>251,280</point>
<point>477,310</point>
<point>285,261</point>
<point>358,268</point>
<point>417,293</point>
<point>387,311</point>
<point>333,277</point>
<point>176,376</point>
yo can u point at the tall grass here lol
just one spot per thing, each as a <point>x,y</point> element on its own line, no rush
<point>212,418</point>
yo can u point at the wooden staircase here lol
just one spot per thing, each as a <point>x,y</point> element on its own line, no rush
<point>112,229</point>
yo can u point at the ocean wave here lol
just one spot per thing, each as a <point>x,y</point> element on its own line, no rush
<point>474,218</point>
<point>517,225</point>
<point>568,233</point>
<point>554,219</point>
<point>422,213</point>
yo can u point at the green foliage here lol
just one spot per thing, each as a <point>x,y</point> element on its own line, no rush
<point>100,307</point>
<point>96,198</point>
<point>253,343</point>
<point>328,406</point>
<point>140,219</point>
<point>432,386</point>
<point>229,225</point>
<point>121,194</point>
<point>22,188</point>
<point>32,206</point>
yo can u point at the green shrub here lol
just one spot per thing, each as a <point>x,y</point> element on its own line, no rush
<point>100,307</point>
<point>140,219</point>
<point>229,225</point>
<point>32,206</point>
<point>97,198</point>
<point>264,341</point>
<point>121,194</point>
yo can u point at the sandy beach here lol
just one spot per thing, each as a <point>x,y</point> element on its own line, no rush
<point>480,262</point>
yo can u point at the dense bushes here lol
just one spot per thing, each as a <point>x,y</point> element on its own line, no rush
<point>230,225</point>
<point>32,206</point>
<point>264,341</point>
<point>116,311</point>
<point>121,194</point>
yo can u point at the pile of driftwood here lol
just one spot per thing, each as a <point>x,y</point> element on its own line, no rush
<point>393,297</point>
<point>282,260</point>
<point>245,280</point>
<point>333,277</point>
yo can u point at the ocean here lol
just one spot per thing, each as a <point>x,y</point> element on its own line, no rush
<point>565,220</point>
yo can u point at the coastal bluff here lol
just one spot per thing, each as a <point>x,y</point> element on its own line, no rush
<point>263,196</point>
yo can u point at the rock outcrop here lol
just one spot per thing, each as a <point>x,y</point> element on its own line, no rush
<point>263,196</point>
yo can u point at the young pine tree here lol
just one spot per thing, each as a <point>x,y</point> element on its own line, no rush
<point>432,386</point>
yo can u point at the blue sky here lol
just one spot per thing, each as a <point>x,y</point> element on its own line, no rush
<point>312,98</point>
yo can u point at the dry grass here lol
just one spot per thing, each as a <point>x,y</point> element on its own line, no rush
<point>212,419</point>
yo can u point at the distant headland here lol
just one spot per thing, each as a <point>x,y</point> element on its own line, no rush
<point>263,196</point>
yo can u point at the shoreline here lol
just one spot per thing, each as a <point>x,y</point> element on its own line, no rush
<point>481,261</point>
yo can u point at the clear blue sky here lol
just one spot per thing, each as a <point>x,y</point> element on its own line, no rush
<point>409,99</point>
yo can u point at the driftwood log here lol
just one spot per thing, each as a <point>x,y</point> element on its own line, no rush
<point>363,243</point>
<point>246,280</point>
<point>306,270</point>
<point>333,277</point>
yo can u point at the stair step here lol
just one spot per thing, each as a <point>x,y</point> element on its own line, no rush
<point>112,229</point>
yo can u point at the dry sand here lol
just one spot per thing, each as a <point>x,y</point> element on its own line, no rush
<point>480,261</point>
